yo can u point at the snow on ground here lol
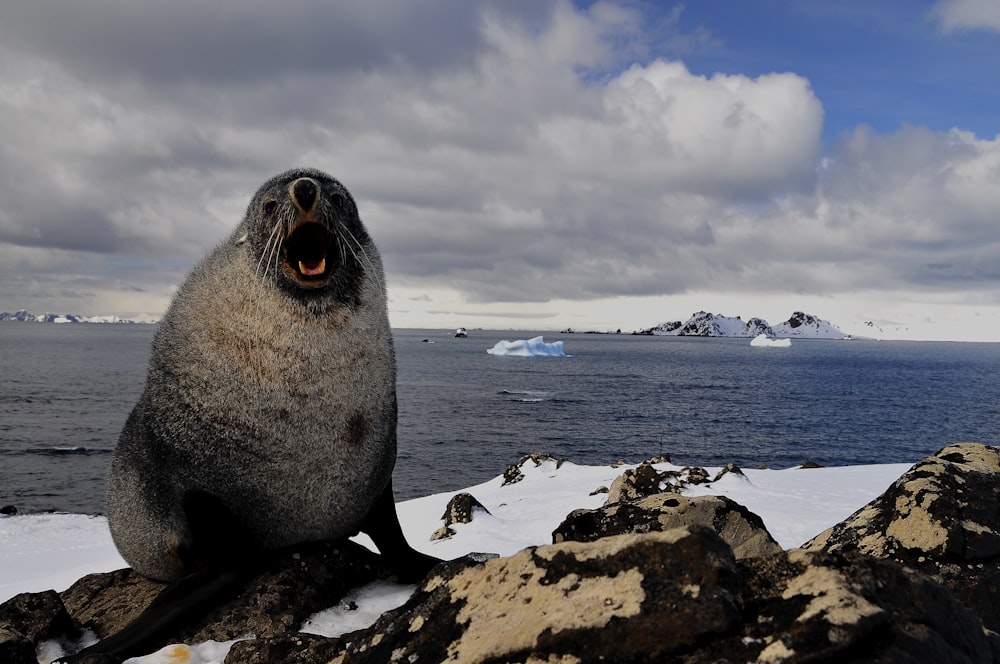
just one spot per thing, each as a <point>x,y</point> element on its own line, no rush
<point>535,347</point>
<point>46,551</point>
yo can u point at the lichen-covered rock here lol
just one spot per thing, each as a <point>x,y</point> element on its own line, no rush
<point>625,598</point>
<point>740,528</point>
<point>674,597</point>
<point>513,473</point>
<point>804,606</point>
<point>460,509</point>
<point>941,517</point>
<point>639,482</point>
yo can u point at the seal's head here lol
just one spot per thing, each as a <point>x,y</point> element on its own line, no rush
<point>303,230</point>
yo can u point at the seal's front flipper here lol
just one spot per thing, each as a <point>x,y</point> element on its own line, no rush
<point>221,558</point>
<point>382,525</point>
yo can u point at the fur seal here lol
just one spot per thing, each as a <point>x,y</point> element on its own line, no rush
<point>268,416</point>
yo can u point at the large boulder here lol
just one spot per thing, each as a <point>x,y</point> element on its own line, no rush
<point>291,586</point>
<point>942,517</point>
<point>674,596</point>
<point>740,528</point>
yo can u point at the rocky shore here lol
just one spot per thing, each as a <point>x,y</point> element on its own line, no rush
<point>652,576</point>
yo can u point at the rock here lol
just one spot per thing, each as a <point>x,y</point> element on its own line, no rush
<point>740,528</point>
<point>941,517</point>
<point>645,480</point>
<point>807,606</point>
<point>638,482</point>
<point>15,648</point>
<point>626,598</point>
<point>289,649</point>
<point>8,510</point>
<point>696,475</point>
<point>442,533</point>
<point>290,587</point>
<point>513,473</point>
<point>729,468</point>
<point>672,597</point>
<point>460,509</point>
<point>810,464</point>
<point>36,616</point>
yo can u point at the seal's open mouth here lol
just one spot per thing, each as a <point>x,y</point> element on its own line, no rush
<point>306,251</point>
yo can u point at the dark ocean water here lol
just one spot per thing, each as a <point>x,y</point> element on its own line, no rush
<point>465,415</point>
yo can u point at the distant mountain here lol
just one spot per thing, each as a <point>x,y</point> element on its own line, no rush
<point>806,325</point>
<point>704,324</point>
<point>24,316</point>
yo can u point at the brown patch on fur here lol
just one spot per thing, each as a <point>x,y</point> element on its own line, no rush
<point>357,430</point>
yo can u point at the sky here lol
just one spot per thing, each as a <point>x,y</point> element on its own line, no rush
<point>522,164</point>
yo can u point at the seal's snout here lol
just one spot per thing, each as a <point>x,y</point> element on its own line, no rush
<point>304,191</point>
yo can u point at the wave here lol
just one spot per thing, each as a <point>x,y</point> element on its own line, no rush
<point>68,451</point>
<point>528,396</point>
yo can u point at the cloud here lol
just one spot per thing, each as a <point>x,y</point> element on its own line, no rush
<point>507,151</point>
<point>967,15</point>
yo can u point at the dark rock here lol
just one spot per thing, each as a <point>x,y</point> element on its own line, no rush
<point>639,482</point>
<point>15,648</point>
<point>289,649</point>
<point>36,616</point>
<point>808,606</point>
<point>293,585</point>
<point>740,528</point>
<point>729,468</point>
<point>442,533</point>
<point>645,480</point>
<point>810,464</point>
<point>696,475</point>
<point>941,517</point>
<point>513,473</point>
<point>8,510</point>
<point>460,509</point>
<point>627,598</point>
<point>672,597</point>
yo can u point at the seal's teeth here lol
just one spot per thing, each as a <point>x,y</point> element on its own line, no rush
<point>318,269</point>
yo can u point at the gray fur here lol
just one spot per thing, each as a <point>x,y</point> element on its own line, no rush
<point>277,398</point>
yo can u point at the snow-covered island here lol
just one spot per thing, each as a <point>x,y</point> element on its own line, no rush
<point>703,324</point>
<point>24,316</point>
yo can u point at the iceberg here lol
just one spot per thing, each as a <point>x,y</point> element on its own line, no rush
<point>763,341</point>
<point>535,347</point>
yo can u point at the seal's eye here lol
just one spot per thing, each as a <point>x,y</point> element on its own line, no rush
<point>269,207</point>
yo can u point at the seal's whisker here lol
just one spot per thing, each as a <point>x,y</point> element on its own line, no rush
<point>363,258</point>
<point>272,240</point>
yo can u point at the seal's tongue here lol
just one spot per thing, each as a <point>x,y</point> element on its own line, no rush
<point>311,267</point>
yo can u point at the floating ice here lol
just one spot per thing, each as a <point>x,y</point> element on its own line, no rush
<point>531,348</point>
<point>763,341</point>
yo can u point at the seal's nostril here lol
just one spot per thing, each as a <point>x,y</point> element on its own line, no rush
<point>304,193</point>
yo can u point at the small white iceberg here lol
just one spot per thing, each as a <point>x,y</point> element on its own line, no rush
<point>763,341</point>
<point>531,348</point>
